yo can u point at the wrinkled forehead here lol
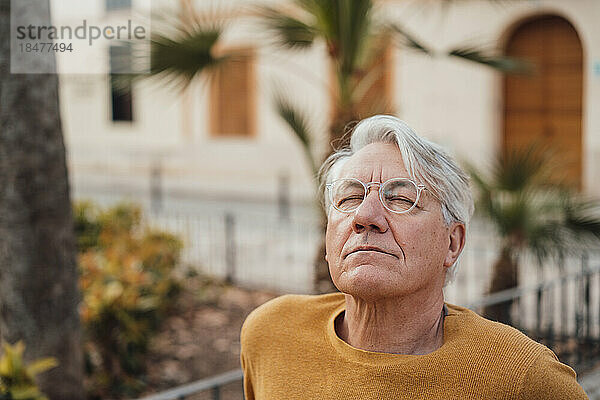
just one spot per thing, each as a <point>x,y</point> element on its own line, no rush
<point>376,162</point>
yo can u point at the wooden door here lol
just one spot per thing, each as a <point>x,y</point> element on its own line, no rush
<point>546,106</point>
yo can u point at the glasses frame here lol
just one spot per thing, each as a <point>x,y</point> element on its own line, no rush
<point>368,185</point>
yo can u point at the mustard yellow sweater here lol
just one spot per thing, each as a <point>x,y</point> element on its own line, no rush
<point>290,351</point>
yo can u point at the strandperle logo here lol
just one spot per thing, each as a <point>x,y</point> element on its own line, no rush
<point>78,37</point>
<point>83,31</point>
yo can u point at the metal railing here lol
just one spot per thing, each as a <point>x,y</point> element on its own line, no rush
<point>563,314</point>
<point>214,384</point>
<point>250,250</point>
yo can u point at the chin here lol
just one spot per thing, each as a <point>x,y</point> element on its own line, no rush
<point>367,282</point>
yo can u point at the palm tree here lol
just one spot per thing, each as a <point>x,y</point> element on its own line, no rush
<point>355,37</point>
<point>531,211</point>
<point>38,272</point>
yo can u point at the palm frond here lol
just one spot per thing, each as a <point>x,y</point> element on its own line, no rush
<point>476,177</point>
<point>549,240</point>
<point>293,118</point>
<point>355,29</point>
<point>530,210</point>
<point>323,15</point>
<point>408,40</point>
<point>181,55</point>
<point>346,27</point>
<point>298,124</point>
<point>574,224</point>
<point>290,32</point>
<point>498,62</point>
<point>583,217</point>
<point>519,168</point>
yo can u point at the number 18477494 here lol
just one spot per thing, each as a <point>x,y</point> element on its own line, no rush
<point>40,47</point>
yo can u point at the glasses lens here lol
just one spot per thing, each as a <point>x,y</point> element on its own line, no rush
<point>399,195</point>
<point>347,194</point>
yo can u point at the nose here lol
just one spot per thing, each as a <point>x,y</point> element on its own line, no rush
<point>370,215</point>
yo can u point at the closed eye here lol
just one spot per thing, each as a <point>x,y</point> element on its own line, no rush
<point>349,199</point>
<point>400,199</point>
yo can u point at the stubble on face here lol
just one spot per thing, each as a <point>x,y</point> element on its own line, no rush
<point>411,245</point>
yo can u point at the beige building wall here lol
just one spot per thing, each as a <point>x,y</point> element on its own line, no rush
<point>455,103</point>
<point>459,104</point>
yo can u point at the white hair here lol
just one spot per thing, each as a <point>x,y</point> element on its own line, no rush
<point>425,162</point>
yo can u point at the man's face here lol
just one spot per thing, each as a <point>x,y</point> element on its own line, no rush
<point>374,253</point>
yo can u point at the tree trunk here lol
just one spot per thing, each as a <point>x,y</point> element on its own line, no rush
<point>504,277</point>
<point>38,273</point>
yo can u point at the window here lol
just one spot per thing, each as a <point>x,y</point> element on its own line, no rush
<point>120,86</point>
<point>117,4</point>
<point>232,97</point>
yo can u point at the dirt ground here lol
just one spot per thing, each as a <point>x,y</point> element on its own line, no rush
<point>202,337</point>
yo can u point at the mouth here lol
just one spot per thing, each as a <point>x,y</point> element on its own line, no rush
<point>362,249</point>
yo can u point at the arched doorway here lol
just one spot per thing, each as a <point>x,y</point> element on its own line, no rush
<point>546,107</point>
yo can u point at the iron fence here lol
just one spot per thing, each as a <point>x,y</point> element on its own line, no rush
<point>270,252</point>
<point>264,251</point>
<point>563,313</point>
<point>213,385</point>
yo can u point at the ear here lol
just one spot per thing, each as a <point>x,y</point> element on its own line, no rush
<point>457,233</point>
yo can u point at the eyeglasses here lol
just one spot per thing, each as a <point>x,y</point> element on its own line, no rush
<point>398,195</point>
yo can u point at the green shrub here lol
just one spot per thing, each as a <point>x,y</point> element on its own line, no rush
<point>87,226</point>
<point>16,378</point>
<point>127,285</point>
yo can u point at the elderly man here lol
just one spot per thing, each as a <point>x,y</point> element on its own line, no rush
<point>397,208</point>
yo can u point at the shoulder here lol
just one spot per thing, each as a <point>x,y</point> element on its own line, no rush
<point>491,336</point>
<point>293,306</point>
<point>548,378</point>
<point>506,352</point>
<point>288,312</point>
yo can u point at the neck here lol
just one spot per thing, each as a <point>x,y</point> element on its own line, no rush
<point>393,325</point>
